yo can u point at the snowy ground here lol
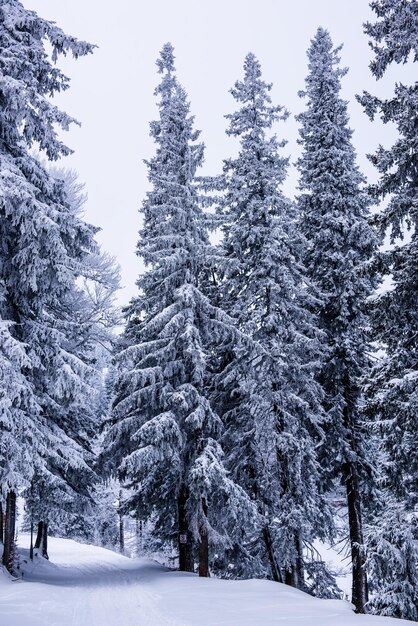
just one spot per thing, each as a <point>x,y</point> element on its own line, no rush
<point>89,586</point>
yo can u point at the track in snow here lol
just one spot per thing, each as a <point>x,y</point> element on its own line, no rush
<point>89,586</point>
<point>85,586</point>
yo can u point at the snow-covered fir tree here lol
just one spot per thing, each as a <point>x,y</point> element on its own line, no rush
<point>81,321</point>
<point>393,386</point>
<point>340,242</point>
<point>267,394</point>
<point>166,434</point>
<point>42,243</point>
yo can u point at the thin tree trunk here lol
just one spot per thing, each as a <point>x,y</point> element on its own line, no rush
<point>121,535</point>
<point>186,563</point>
<point>275,569</point>
<point>358,557</point>
<point>1,523</point>
<point>139,537</point>
<point>291,577</point>
<point>121,527</point>
<point>39,535</point>
<point>204,543</point>
<point>351,476</point>
<point>45,541</point>
<point>31,540</point>
<point>9,531</point>
<point>300,569</point>
<point>268,542</point>
<point>294,575</point>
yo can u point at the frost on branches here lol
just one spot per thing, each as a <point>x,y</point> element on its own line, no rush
<point>393,386</point>
<point>44,423</point>
<point>268,398</point>
<point>166,433</point>
<point>339,244</point>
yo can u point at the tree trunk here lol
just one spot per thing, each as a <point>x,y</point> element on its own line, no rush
<point>31,540</point>
<point>291,577</point>
<point>45,541</point>
<point>351,477</point>
<point>275,569</point>
<point>294,575</point>
<point>139,525</point>
<point>1,523</point>
<point>121,535</point>
<point>358,557</point>
<point>9,531</point>
<point>186,563</point>
<point>39,535</point>
<point>300,568</point>
<point>204,543</point>
<point>121,527</point>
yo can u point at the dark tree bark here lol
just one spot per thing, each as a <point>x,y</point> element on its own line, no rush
<point>275,569</point>
<point>352,482</point>
<point>139,526</point>
<point>291,577</point>
<point>300,567</point>
<point>204,543</point>
<point>358,557</point>
<point>9,531</point>
<point>121,527</point>
<point>186,563</point>
<point>268,542</point>
<point>294,575</point>
<point>41,542</point>
<point>121,535</point>
<point>31,540</point>
<point>45,541</point>
<point>1,523</point>
<point>39,535</point>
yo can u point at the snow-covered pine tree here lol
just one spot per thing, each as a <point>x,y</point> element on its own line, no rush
<point>81,323</point>
<point>393,386</point>
<point>268,397</point>
<point>41,242</point>
<point>339,243</point>
<point>165,433</point>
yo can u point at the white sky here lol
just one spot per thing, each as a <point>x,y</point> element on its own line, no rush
<point>111,91</point>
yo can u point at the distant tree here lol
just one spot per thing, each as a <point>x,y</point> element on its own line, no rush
<point>105,494</point>
<point>105,514</point>
<point>393,386</point>
<point>166,434</point>
<point>268,397</point>
<point>340,243</point>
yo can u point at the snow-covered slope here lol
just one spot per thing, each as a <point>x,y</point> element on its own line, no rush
<point>89,586</point>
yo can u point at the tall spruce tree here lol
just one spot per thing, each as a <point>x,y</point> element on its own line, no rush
<point>269,399</point>
<point>41,242</point>
<point>393,386</point>
<point>339,244</point>
<point>165,434</point>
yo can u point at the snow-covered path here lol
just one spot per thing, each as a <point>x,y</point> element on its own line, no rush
<point>85,585</point>
<point>90,586</point>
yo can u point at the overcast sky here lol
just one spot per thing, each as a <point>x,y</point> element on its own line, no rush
<point>111,91</point>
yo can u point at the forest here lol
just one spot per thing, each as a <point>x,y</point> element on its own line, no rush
<point>259,395</point>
